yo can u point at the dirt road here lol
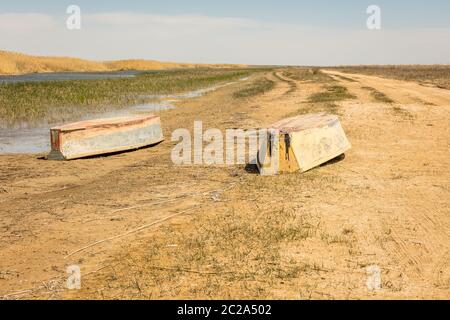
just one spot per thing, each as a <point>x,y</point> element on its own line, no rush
<point>233,233</point>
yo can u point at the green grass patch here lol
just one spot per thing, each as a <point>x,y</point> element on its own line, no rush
<point>53,101</point>
<point>257,87</point>
<point>331,94</point>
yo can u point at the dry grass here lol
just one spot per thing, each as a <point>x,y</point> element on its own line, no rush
<point>233,252</point>
<point>17,63</point>
<point>438,75</point>
<point>403,113</point>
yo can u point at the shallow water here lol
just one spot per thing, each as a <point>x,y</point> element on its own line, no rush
<point>29,139</point>
<point>61,76</point>
<point>33,140</point>
<point>37,139</point>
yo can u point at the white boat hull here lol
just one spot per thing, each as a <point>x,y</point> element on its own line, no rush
<point>103,136</point>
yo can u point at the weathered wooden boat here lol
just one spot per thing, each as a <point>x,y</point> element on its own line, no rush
<point>301,143</point>
<point>103,136</point>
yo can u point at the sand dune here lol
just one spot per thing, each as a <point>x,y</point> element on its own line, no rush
<point>18,63</point>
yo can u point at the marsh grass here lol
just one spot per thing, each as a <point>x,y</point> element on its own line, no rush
<point>257,87</point>
<point>378,96</point>
<point>61,100</point>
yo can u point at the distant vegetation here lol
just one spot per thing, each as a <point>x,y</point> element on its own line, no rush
<point>438,75</point>
<point>63,100</point>
<point>17,63</point>
<point>307,74</point>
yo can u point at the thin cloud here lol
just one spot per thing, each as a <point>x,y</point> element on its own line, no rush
<point>198,38</point>
<point>26,22</point>
<point>121,19</point>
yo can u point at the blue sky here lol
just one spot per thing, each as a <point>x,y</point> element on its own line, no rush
<point>303,32</point>
<point>398,13</point>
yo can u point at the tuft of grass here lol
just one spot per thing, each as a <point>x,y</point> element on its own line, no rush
<point>345,237</point>
<point>378,96</point>
<point>403,113</point>
<point>259,86</point>
<point>331,94</point>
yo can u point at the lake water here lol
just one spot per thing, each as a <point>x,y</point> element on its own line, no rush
<point>28,139</point>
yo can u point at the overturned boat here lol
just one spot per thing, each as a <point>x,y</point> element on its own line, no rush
<point>301,143</point>
<point>103,136</point>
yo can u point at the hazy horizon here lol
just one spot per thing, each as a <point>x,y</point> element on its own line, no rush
<point>323,33</point>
